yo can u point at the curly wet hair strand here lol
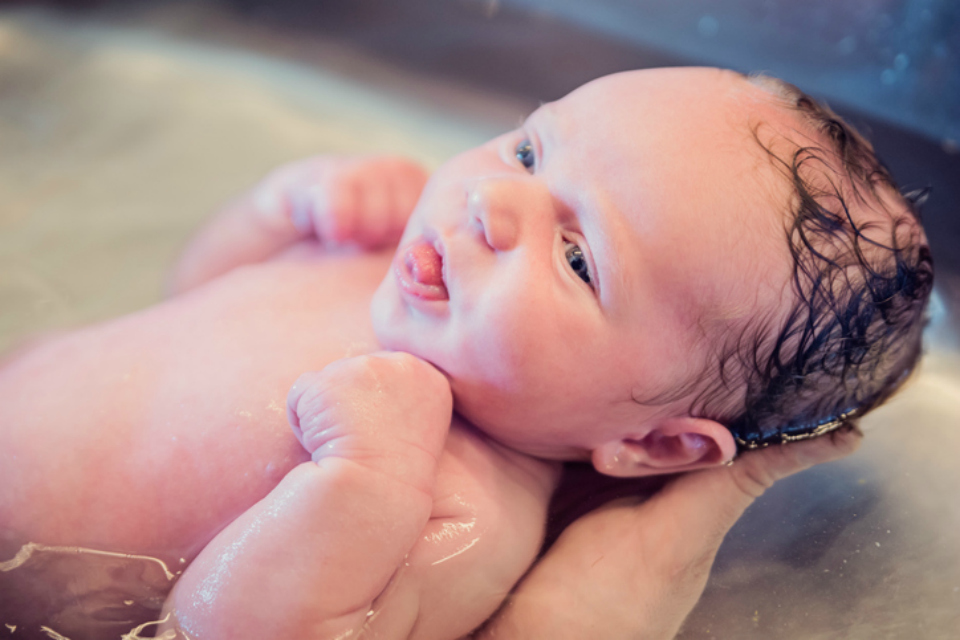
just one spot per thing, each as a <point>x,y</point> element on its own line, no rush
<point>853,333</point>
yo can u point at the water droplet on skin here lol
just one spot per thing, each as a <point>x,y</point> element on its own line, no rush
<point>275,407</point>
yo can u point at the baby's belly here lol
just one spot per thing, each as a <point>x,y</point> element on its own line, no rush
<point>148,434</point>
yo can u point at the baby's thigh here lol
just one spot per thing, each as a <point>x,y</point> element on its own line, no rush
<point>79,593</point>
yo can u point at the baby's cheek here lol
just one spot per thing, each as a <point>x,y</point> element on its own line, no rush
<point>385,313</point>
<point>499,348</point>
<point>503,384</point>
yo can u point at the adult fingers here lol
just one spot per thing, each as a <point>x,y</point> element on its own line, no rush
<point>703,506</point>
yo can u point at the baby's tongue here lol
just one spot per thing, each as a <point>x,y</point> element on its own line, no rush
<point>425,264</point>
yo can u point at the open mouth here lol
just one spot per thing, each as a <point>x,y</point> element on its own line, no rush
<point>419,270</point>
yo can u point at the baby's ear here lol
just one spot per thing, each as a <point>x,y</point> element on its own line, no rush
<point>673,445</point>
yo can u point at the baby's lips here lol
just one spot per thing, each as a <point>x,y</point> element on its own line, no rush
<point>425,264</point>
<point>419,270</point>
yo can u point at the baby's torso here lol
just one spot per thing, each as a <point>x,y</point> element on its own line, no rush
<point>146,435</point>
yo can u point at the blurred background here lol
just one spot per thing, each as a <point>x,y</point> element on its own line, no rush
<point>124,124</point>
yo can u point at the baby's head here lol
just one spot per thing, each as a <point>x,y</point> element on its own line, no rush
<point>660,268</point>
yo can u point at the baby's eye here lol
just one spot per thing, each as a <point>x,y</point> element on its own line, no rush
<point>577,262</point>
<point>525,155</point>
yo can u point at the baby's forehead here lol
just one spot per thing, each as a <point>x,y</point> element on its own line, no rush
<point>675,152</point>
<point>681,110</point>
<point>739,197</point>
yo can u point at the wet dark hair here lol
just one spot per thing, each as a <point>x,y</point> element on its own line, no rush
<point>853,333</point>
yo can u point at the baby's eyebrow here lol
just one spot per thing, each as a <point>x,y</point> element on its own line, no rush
<point>547,126</point>
<point>525,119</point>
<point>546,111</point>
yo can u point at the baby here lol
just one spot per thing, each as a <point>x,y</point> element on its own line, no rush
<point>659,270</point>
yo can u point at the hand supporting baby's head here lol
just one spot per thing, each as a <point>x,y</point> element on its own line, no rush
<point>620,277</point>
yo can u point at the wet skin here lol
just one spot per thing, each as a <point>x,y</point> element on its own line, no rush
<point>127,421</point>
<point>150,433</point>
<point>675,218</point>
<point>94,410</point>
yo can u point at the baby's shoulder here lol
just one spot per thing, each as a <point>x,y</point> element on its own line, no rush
<point>485,530</point>
<point>481,480</point>
<point>496,476</point>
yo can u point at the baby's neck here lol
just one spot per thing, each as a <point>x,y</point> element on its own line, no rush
<point>546,471</point>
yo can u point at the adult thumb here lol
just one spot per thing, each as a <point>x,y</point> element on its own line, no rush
<point>708,503</point>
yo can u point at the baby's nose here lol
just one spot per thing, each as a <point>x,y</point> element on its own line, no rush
<point>493,203</point>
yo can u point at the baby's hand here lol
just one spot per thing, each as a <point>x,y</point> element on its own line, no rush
<point>344,200</point>
<point>311,558</point>
<point>385,411</point>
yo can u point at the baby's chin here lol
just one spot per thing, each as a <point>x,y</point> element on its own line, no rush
<point>383,314</point>
<point>508,418</point>
<point>393,326</point>
<point>511,423</point>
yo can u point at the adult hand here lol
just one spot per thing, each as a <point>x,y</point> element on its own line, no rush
<point>634,569</point>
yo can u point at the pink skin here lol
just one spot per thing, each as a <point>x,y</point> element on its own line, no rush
<point>654,176</point>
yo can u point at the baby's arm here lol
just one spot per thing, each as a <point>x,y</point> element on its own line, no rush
<point>339,200</point>
<point>310,558</point>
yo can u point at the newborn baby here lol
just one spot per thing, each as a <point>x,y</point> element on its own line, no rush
<point>652,273</point>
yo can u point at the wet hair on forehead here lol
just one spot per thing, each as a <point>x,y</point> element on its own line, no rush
<point>862,275</point>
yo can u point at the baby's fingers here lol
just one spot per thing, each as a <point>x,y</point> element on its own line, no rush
<point>336,209</point>
<point>392,188</point>
<point>305,405</point>
<point>372,399</point>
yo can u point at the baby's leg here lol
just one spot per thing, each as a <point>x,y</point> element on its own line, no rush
<point>309,559</point>
<point>363,201</point>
